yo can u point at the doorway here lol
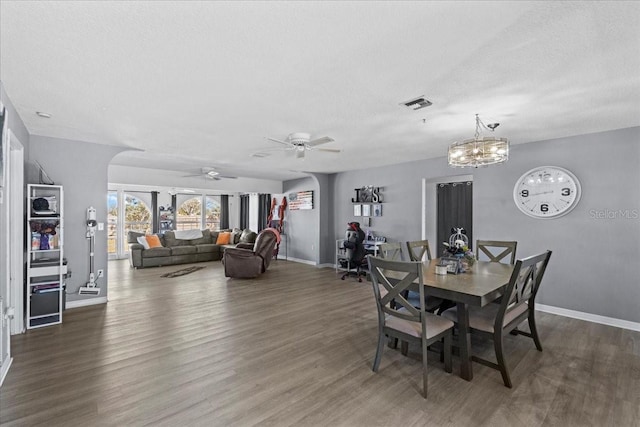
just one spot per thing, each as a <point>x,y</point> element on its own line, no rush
<point>430,208</point>
<point>11,261</point>
<point>455,211</point>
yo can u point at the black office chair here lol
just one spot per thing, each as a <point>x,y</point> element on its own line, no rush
<point>354,248</point>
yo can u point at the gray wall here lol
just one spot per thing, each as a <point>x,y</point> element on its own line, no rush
<point>303,226</point>
<point>82,169</point>
<point>593,267</point>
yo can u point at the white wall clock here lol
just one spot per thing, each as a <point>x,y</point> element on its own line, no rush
<point>547,192</point>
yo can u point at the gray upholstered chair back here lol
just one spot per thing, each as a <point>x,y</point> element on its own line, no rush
<point>265,243</point>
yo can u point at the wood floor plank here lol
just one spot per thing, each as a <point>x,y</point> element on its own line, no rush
<point>294,347</point>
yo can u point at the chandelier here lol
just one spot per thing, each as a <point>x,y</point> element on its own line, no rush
<point>479,151</point>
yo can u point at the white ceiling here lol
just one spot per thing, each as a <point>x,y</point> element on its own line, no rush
<point>198,84</point>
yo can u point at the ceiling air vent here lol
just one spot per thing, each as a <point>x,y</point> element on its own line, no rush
<point>417,103</point>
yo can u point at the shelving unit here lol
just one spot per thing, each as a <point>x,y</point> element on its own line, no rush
<point>46,267</point>
<point>166,218</point>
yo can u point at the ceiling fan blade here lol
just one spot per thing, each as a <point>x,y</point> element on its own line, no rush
<point>227,177</point>
<point>330,150</point>
<point>319,141</point>
<point>288,144</point>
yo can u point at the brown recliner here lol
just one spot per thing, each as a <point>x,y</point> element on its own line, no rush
<point>244,263</point>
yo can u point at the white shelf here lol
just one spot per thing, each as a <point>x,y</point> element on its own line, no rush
<point>44,306</point>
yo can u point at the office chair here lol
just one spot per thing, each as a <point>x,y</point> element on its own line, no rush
<point>354,248</point>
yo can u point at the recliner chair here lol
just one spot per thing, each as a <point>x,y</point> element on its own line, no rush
<point>247,263</point>
<point>354,246</point>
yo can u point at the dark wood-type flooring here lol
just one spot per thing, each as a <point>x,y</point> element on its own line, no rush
<point>294,347</point>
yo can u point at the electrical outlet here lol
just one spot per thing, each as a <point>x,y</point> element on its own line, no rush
<point>100,273</point>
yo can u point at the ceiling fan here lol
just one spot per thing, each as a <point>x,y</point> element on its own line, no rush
<point>301,142</point>
<point>211,173</point>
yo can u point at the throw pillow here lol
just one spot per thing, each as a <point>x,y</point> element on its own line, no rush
<point>235,236</point>
<point>223,238</point>
<point>153,240</point>
<point>143,241</point>
<point>248,236</point>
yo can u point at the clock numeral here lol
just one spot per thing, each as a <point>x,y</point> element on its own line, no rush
<point>524,193</point>
<point>544,207</point>
<point>566,192</point>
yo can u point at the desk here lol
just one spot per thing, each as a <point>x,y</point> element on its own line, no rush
<point>479,286</point>
<point>372,246</point>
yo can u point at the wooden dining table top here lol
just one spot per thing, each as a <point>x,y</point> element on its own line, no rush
<point>483,283</point>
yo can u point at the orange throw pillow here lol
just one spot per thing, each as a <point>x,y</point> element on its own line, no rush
<point>223,238</point>
<point>153,241</point>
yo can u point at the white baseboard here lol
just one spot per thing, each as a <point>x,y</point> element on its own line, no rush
<point>86,302</point>
<point>302,261</point>
<point>5,370</point>
<point>609,321</point>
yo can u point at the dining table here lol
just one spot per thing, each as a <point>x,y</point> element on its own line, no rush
<point>481,284</point>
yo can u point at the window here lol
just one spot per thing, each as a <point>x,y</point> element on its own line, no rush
<point>212,212</point>
<point>190,214</point>
<point>137,217</point>
<point>112,222</point>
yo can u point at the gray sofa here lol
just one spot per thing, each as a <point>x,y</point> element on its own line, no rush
<point>178,251</point>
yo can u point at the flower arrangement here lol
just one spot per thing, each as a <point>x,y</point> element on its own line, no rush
<point>459,249</point>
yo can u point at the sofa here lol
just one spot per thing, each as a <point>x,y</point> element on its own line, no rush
<point>184,251</point>
<point>249,261</point>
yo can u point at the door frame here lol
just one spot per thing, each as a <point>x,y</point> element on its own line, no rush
<point>12,211</point>
<point>16,223</point>
<point>430,204</point>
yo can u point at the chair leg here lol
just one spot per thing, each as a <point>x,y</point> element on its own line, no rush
<point>376,361</point>
<point>404,348</point>
<point>497,341</point>
<point>534,330</point>
<point>446,351</point>
<point>425,381</point>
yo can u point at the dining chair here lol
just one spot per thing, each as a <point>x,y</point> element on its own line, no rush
<point>518,300</point>
<point>490,247</point>
<point>417,249</point>
<point>391,251</point>
<point>404,321</point>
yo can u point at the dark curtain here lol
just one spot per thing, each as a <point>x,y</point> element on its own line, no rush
<point>264,206</point>
<point>244,211</point>
<point>224,211</point>
<point>455,201</point>
<point>154,212</point>
<point>174,209</point>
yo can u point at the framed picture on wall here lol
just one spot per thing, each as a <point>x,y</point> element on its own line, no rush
<point>366,210</point>
<point>357,210</point>
<point>377,210</point>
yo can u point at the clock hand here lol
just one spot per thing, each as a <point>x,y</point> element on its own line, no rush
<point>543,192</point>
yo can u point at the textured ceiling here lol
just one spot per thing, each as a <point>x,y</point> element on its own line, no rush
<point>199,84</point>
